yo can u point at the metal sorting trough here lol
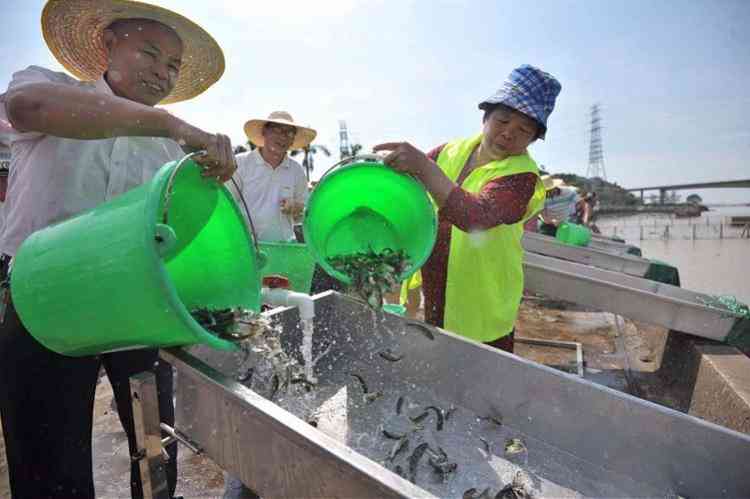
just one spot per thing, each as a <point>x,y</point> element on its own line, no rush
<point>632,297</point>
<point>616,262</point>
<point>610,246</point>
<point>581,439</point>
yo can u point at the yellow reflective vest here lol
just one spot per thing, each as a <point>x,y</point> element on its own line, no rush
<point>485,272</point>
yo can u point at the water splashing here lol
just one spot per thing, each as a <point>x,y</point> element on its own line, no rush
<point>307,343</point>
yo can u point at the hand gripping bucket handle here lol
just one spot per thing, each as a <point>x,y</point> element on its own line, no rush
<point>116,277</point>
<point>345,217</point>
<point>353,159</point>
<point>168,196</point>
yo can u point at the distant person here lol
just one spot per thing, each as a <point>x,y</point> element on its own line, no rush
<point>274,185</point>
<point>585,211</point>
<point>485,187</point>
<point>5,133</point>
<point>559,205</point>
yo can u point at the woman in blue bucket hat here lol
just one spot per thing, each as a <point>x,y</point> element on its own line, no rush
<point>484,188</point>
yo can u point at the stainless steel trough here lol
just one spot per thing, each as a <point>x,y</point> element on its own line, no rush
<point>611,246</point>
<point>581,439</point>
<point>616,262</point>
<point>635,298</point>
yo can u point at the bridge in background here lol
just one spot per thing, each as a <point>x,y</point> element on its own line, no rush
<point>724,184</point>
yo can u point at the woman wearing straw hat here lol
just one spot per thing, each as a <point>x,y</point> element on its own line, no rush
<point>484,188</point>
<point>75,144</point>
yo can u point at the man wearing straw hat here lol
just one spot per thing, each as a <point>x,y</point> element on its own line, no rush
<point>273,184</point>
<point>75,144</point>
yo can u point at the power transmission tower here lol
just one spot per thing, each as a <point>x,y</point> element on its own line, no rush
<point>344,147</point>
<point>596,150</point>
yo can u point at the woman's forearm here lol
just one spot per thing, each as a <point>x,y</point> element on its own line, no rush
<point>437,183</point>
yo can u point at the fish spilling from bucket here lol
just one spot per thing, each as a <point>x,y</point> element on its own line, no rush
<point>372,274</point>
<point>264,361</point>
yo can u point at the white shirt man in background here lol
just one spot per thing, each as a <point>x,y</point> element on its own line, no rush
<point>273,185</point>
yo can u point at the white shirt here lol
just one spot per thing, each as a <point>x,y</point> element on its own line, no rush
<point>52,178</point>
<point>561,207</point>
<point>263,187</point>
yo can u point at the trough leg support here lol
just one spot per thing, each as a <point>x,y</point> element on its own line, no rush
<point>148,436</point>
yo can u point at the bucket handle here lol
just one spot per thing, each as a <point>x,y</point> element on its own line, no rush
<point>168,195</point>
<point>352,159</point>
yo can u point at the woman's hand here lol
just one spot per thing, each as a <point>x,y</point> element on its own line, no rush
<point>406,158</point>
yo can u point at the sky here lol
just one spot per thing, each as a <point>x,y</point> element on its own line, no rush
<point>671,77</point>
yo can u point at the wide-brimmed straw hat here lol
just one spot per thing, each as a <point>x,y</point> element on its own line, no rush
<point>551,182</point>
<point>254,130</point>
<point>73,31</point>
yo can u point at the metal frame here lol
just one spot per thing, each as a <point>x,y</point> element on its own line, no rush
<point>572,345</point>
<point>267,447</point>
<point>607,245</point>
<point>616,262</point>
<point>608,435</point>
<point>150,454</point>
<point>632,297</point>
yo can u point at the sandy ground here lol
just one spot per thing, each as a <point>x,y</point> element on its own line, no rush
<point>617,353</point>
<point>198,478</point>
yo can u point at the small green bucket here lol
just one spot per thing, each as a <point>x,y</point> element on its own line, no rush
<point>292,260</point>
<point>395,308</point>
<point>366,206</point>
<point>126,274</point>
<point>573,234</point>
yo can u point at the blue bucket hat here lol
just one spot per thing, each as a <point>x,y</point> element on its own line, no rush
<point>530,91</point>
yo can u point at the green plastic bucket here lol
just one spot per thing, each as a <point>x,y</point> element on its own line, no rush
<point>367,206</point>
<point>573,234</point>
<point>292,260</point>
<point>395,308</point>
<point>118,277</point>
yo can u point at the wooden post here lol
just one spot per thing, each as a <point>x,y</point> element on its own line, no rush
<point>641,227</point>
<point>694,227</point>
<point>721,230</point>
